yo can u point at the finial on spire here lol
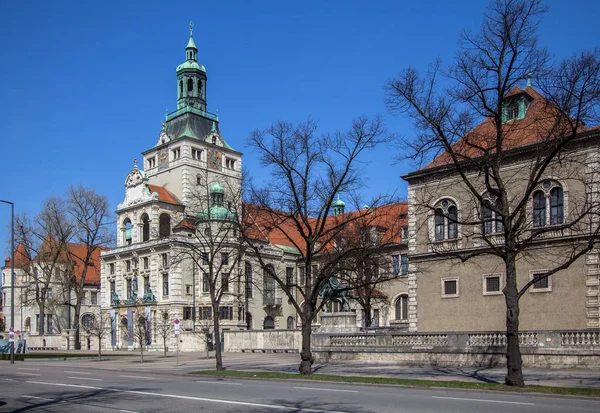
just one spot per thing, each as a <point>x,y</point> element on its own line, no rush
<point>135,163</point>
<point>214,127</point>
<point>529,78</point>
<point>217,114</point>
<point>191,28</point>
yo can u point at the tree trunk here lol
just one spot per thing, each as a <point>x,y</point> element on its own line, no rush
<point>306,354</point>
<point>99,348</point>
<point>217,339</point>
<point>141,352</point>
<point>165,345</point>
<point>76,324</point>
<point>367,310</point>
<point>514,362</point>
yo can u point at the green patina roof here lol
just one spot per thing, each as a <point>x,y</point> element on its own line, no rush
<point>286,248</point>
<point>217,213</point>
<point>216,188</point>
<point>191,64</point>
<point>191,44</point>
<point>188,132</point>
<point>338,202</point>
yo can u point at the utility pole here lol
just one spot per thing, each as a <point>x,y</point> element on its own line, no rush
<point>12,278</point>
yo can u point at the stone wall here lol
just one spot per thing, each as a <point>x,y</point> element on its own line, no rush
<point>542,349</point>
<point>262,341</point>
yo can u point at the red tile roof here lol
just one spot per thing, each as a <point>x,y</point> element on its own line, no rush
<point>539,124</point>
<point>163,194</point>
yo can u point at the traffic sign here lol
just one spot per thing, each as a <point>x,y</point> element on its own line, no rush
<point>176,321</point>
<point>11,336</point>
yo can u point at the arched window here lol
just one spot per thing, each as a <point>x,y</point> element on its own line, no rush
<point>556,206</point>
<point>269,323</point>
<point>127,225</point>
<point>181,88</point>
<point>291,323</point>
<point>88,321</point>
<point>491,221</point>
<point>145,227</point>
<point>539,209</point>
<point>190,88</point>
<point>446,220</point>
<point>401,308</point>
<point>164,226</point>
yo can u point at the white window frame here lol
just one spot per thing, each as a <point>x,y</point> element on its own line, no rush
<point>532,289</point>
<point>443,282</point>
<point>484,286</point>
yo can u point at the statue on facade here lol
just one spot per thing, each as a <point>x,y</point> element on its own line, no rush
<point>114,298</point>
<point>334,289</point>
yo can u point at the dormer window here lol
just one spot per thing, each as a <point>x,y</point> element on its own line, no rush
<point>214,140</point>
<point>512,111</point>
<point>515,107</point>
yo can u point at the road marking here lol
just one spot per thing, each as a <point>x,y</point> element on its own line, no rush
<point>219,382</point>
<point>321,389</point>
<point>27,368</point>
<point>128,411</point>
<point>202,399</point>
<point>481,400</point>
<point>76,372</point>
<point>138,377</point>
<point>35,397</point>
<point>84,378</point>
<point>27,374</point>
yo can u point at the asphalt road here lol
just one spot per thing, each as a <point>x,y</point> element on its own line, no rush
<point>84,386</point>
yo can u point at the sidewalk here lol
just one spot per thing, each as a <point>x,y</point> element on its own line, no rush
<point>288,363</point>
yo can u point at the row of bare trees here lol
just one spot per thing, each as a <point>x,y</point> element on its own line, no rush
<point>57,249</point>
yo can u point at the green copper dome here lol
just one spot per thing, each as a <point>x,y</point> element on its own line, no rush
<point>217,213</point>
<point>338,202</point>
<point>216,188</point>
<point>191,64</point>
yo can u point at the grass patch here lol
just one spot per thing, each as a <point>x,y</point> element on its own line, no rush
<point>403,382</point>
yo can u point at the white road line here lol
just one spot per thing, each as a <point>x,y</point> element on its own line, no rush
<point>315,388</point>
<point>481,400</point>
<point>28,374</point>
<point>84,378</point>
<point>35,397</point>
<point>138,377</point>
<point>128,411</point>
<point>202,399</point>
<point>27,368</point>
<point>219,382</point>
<point>77,372</point>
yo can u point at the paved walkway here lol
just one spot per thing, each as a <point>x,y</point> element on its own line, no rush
<point>288,363</point>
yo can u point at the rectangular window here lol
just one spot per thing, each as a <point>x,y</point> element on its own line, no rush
<point>226,313</point>
<point>94,298</point>
<point>404,264</point>
<point>146,284</point>
<point>225,281</point>
<point>289,278</point>
<point>205,283</point>
<point>196,154</point>
<point>302,276</point>
<point>128,266</point>
<point>187,313</point>
<point>129,288</point>
<point>396,264</point>
<point>492,284</point>
<point>224,258</point>
<point>542,283</point>
<point>205,313</point>
<point>188,289</point>
<point>165,284</point>
<point>315,271</point>
<point>151,162</point>
<point>229,163</point>
<point>205,258</point>
<point>404,233</point>
<point>450,287</point>
<point>37,323</point>
<point>49,325</point>
<point>146,263</point>
<point>175,154</point>
<point>241,312</point>
<point>165,260</point>
<point>112,269</point>
<point>83,299</point>
<point>112,287</point>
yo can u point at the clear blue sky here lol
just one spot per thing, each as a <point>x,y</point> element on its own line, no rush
<point>84,85</point>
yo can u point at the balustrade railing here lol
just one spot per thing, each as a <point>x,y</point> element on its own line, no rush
<point>353,340</point>
<point>580,338</point>
<point>420,340</point>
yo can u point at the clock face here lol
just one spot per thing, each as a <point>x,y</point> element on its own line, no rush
<point>214,159</point>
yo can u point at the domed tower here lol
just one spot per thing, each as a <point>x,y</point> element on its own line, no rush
<point>338,206</point>
<point>191,78</point>
<point>217,211</point>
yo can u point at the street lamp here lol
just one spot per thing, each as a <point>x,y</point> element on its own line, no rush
<point>12,276</point>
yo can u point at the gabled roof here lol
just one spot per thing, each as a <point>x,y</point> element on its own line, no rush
<point>163,194</point>
<point>22,259</point>
<point>538,124</point>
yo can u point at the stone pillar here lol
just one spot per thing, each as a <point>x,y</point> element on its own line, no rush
<point>339,323</point>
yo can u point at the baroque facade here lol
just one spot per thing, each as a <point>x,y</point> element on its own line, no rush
<point>177,232</point>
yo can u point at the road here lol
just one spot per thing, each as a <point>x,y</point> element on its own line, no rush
<point>158,386</point>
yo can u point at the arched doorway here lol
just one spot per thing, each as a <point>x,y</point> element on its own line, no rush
<point>269,323</point>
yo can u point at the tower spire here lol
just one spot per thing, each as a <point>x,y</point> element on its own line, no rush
<point>191,78</point>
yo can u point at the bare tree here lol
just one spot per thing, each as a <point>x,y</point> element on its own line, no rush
<point>44,242</point>
<point>480,86</point>
<point>98,327</point>
<point>164,328</point>
<point>89,213</point>
<point>141,330</point>
<point>210,243</point>
<point>308,171</point>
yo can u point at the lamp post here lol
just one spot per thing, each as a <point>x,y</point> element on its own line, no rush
<point>12,275</point>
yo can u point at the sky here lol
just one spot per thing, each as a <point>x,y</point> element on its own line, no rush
<point>85,84</point>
